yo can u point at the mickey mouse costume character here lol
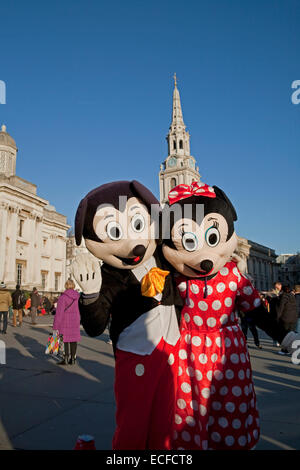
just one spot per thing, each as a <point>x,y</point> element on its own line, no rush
<point>215,402</point>
<point>135,289</point>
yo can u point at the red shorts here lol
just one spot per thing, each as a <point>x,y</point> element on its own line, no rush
<point>145,398</point>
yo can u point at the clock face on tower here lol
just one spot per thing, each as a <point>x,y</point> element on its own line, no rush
<point>191,163</point>
<point>172,162</point>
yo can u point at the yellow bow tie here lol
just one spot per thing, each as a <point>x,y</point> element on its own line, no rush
<point>154,282</point>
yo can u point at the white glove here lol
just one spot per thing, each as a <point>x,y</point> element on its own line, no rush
<point>291,342</point>
<point>87,272</point>
<point>241,264</point>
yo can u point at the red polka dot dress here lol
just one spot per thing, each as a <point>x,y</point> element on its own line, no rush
<point>215,400</point>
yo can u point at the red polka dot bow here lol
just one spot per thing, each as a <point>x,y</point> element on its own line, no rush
<point>183,191</point>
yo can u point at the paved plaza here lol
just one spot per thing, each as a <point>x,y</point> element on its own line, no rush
<point>46,406</point>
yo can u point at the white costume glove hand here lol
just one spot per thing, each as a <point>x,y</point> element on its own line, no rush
<point>241,264</point>
<point>87,272</point>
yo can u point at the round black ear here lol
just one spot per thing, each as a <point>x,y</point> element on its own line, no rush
<point>79,220</point>
<point>221,195</point>
<point>143,193</point>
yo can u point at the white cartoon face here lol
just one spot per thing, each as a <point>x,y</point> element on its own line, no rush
<point>126,240</point>
<point>200,250</point>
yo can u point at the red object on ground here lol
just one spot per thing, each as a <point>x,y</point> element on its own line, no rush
<point>85,442</point>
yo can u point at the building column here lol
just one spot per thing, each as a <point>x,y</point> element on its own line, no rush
<point>38,250</point>
<point>32,262</point>
<point>11,262</point>
<point>64,274</point>
<point>3,231</point>
<point>51,270</point>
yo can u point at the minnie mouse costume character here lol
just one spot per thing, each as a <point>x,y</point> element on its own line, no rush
<point>215,402</point>
<point>135,289</point>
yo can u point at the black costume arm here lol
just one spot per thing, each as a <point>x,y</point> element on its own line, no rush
<point>95,314</point>
<point>266,322</point>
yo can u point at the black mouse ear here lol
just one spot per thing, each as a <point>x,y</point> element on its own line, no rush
<point>79,220</point>
<point>221,195</point>
<point>143,193</point>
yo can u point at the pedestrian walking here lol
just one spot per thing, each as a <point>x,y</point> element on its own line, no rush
<point>54,306</point>
<point>47,305</point>
<point>18,303</point>
<point>5,303</point>
<point>272,297</point>
<point>35,304</point>
<point>287,312</point>
<point>67,321</point>
<point>248,323</point>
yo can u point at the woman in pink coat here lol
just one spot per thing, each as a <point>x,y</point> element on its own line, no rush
<point>67,321</point>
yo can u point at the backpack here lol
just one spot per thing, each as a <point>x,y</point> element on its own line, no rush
<point>21,300</point>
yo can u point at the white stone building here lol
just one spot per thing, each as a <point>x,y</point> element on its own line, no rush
<point>289,269</point>
<point>32,233</point>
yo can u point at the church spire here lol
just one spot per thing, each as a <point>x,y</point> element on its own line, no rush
<point>177,118</point>
<point>179,167</point>
<point>178,139</point>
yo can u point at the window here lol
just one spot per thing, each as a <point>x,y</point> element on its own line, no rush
<point>21,225</point>
<point>44,279</point>
<point>181,144</point>
<point>19,273</point>
<point>174,145</point>
<point>173,183</point>
<point>57,281</point>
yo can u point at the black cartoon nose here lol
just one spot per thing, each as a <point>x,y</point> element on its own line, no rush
<point>206,265</point>
<point>139,250</point>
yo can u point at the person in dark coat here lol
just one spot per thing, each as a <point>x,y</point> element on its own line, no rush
<point>35,303</point>
<point>273,297</point>
<point>287,312</point>
<point>248,323</point>
<point>18,303</point>
<point>47,305</point>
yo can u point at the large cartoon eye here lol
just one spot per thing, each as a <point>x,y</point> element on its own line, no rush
<point>138,223</point>
<point>189,241</point>
<point>212,236</point>
<point>114,231</point>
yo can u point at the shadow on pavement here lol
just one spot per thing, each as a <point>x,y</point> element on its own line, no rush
<point>46,406</point>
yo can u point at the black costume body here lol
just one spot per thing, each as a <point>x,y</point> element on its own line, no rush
<point>144,332</point>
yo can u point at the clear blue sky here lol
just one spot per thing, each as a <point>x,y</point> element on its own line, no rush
<point>89,94</point>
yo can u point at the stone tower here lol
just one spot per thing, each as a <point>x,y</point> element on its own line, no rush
<point>180,166</point>
<point>8,153</point>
